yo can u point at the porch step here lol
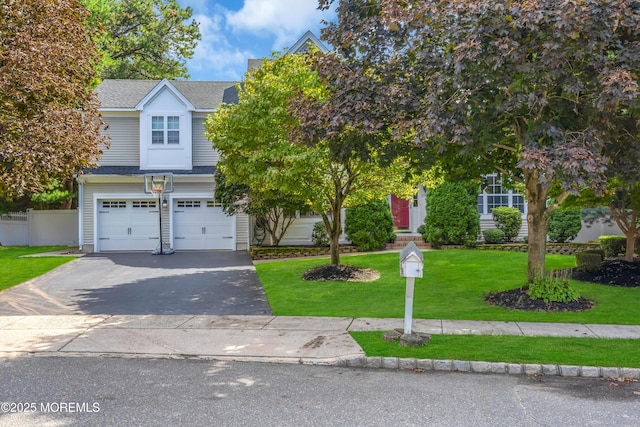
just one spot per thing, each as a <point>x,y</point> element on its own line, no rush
<point>401,242</point>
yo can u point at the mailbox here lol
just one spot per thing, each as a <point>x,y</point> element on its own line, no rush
<point>411,261</point>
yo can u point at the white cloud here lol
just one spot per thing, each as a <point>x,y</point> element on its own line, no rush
<point>285,19</point>
<point>214,56</point>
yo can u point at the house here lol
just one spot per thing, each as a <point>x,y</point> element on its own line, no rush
<point>157,134</point>
<point>156,129</point>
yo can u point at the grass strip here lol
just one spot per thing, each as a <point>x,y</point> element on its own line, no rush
<point>511,349</point>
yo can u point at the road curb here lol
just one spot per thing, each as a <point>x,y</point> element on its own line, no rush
<point>482,367</point>
<point>390,363</point>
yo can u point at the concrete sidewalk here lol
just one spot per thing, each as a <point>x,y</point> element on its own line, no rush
<point>309,340</point>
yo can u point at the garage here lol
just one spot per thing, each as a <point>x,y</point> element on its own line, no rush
<point>201,224</point>
<point>127,225</point>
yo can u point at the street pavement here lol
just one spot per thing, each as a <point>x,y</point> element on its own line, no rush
<point>111,391</point>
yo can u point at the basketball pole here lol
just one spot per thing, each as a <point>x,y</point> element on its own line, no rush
<point>160,220</point>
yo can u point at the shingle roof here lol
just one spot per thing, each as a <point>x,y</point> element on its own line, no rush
<point>203,95</point>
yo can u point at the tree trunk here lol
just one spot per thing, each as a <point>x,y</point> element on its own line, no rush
<point>537,221</point>
<point>335,249</point>
<point>334,227</point>
<point>627,222</point>
<point>631,244</point>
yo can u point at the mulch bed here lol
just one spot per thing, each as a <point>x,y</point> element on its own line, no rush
<point>612,272</point>
<point>518,299</point>
<point>344,273</point>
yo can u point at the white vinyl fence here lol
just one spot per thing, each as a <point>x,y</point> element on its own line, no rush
<point>39,228</point>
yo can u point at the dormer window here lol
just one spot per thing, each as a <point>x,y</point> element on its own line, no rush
<point>165,130</point>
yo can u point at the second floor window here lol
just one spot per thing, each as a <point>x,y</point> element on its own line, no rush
<point>165,130</point>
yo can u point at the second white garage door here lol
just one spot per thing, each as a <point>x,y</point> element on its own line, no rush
<point>200,224</point>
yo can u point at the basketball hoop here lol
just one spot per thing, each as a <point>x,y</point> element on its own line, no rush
<point>158,184</point>
<point>157,192</point>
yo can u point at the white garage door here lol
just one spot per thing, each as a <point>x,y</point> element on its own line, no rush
<point>201,224</point>
<point>128,225</point>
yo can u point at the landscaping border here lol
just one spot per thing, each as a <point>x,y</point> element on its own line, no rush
<point>278,252</point>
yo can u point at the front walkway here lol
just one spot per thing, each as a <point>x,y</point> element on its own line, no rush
<point>319,340</point>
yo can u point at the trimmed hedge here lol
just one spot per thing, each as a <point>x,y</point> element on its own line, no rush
<point>508,220</point>
<point>280,252</point>
<point>369,226</point>
<point>564,225</point>
<point>452,214</point>
<point>613,245</point>
<point>588,261</point>
<point>493,235</point>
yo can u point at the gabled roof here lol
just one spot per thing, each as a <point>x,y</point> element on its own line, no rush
<point>302,44</point>
<point>164,85</point>
<point>203,95</point>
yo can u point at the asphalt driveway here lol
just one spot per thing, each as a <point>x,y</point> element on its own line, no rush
<point>192,283</point>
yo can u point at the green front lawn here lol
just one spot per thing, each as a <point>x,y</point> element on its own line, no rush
<point>453,287</point>
<point>16,270</point>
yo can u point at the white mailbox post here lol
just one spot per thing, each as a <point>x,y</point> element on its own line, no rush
<point>411,264</point>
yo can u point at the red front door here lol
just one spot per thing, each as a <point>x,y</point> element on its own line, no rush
<point>400,212</point>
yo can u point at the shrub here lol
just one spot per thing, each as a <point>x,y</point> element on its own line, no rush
<point>588,261</point>
<point>319,235</point>
<point>452,214</point>
<point>369,226</point>
<point>600,252</point>
<point>613,245</point>
<point>509,220</point>
<point>564,225</point>
<point>423,232</point>
<point>493,235</point>
<point>552,289</point>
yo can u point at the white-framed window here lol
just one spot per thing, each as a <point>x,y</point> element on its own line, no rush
<point>165,130</point>
<point>114,204</point>
<point>144,204</point>
<point>495,195</point>
<point>189,203</point>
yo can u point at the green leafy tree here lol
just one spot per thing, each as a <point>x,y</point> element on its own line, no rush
<point>370,225</point>
<point>257,151</point>
<point>143,39</point>
<point>49,119</point>
<point>55,195</point>
<point>545,92</point>
<point>274,211</point>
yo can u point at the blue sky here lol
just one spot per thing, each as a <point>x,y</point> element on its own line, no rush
<point>234,31</point>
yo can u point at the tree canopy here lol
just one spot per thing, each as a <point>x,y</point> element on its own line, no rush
<point>544,92</point>
<point>49,120</point>
<point>143,39</point>
<point>257,151</point>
